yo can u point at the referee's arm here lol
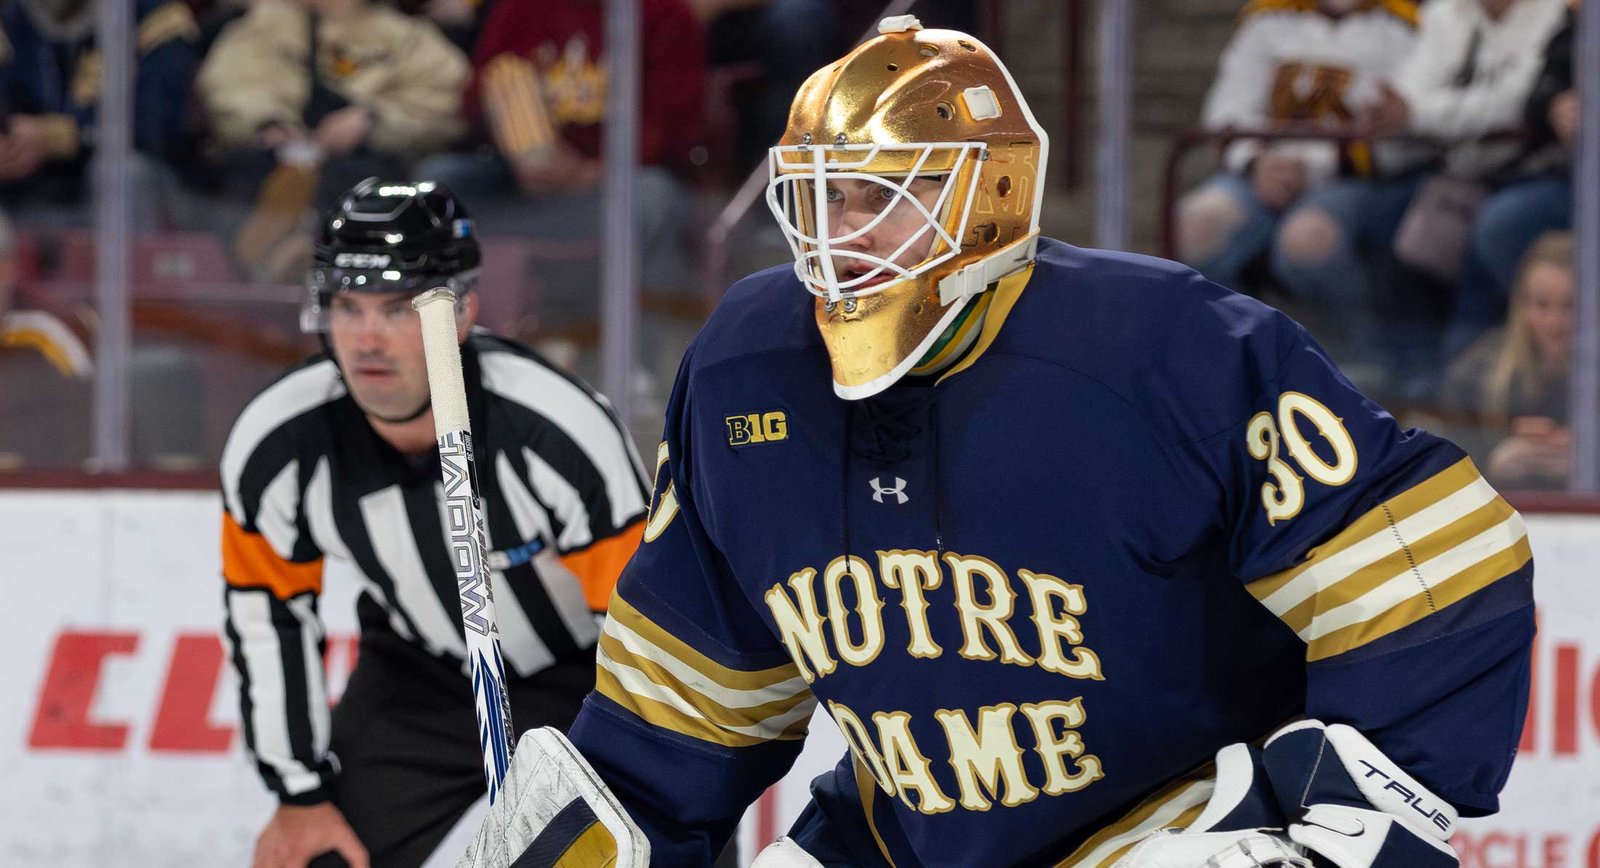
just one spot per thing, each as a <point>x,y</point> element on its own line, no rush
<point>272,573</point>
<point>613,487</point>
<point>276,642</point>
<point>598,565</point>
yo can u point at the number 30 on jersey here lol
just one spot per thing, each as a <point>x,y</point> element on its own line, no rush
<point>1269,438</point>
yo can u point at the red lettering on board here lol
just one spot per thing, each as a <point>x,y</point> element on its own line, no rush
<point>182,719</point>
<point>61,720</point>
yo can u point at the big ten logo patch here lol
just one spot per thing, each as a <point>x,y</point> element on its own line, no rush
<point>751,429</point>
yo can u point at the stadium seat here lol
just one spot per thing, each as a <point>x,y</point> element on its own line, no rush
<point>181,265</point>
<point>508,293</point>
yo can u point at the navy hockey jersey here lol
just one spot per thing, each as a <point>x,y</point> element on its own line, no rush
<point>1144,519</point>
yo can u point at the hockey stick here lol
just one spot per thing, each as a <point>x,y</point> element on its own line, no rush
<point>464,517</point>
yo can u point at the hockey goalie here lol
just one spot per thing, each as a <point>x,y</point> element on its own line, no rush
<point>1092,562</point>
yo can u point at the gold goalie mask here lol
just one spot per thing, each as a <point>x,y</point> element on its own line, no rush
<point>907,183</point>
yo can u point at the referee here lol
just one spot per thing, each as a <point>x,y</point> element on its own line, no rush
<point>337,459</point>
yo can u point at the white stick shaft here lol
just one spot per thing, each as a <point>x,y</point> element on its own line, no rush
<point>448,390</point>
<point>464,526</point>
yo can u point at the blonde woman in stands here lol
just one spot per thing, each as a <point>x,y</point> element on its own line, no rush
<point>1474,64</point>
<point>1508,391</point>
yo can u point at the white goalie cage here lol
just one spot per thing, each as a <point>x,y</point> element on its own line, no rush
<point>797,194</point>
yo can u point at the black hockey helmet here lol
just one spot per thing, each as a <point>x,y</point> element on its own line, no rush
<point>386,236</point>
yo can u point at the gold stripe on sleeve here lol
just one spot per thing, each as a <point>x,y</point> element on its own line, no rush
<point>1453,590</point>
<point>1424,549</point>
<point>1375,522</point>
<point>1402,560</point>
<point>634,620</point>
<point>718,708</point>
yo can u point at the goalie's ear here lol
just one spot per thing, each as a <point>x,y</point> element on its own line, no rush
<point>1352,805</point>
<point>555,812</point>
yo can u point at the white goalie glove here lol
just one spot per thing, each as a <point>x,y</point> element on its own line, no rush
<point>1339,800</point>
<point>1240,826</point>
<point>555,812</point>
<point>1352,805</point>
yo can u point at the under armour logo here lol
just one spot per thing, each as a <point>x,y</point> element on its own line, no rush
<point>899,490</point>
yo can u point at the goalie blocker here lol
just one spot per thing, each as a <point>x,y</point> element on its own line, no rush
<point>1353,806</point>
<point>1315,795</point>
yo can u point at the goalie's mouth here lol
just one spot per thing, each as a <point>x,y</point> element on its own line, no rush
<point>855,272</point>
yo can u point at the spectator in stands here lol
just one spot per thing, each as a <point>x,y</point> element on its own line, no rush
<point>537,100</point>
<point>1507,395</point>
<point>44,379</point>
<point>459,20</point>
<point>50,92</point>
<point>382,90</point>
<point>215,15</point>
<point>770,46</point>
<point>1289,65</point>
<point>1515,216</point>
<point>858,17</point>
<point>782,40</point>
<point>1469,75</point>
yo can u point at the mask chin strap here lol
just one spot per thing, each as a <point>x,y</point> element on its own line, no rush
<point>962,285</point>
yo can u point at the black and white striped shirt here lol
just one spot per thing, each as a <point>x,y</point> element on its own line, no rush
<point>305,476</point>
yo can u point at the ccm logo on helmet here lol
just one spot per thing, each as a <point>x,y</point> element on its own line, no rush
<point>361,260</point>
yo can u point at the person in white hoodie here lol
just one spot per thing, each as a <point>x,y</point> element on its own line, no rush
<point>1469,74</point>
<point>1290,64</point>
